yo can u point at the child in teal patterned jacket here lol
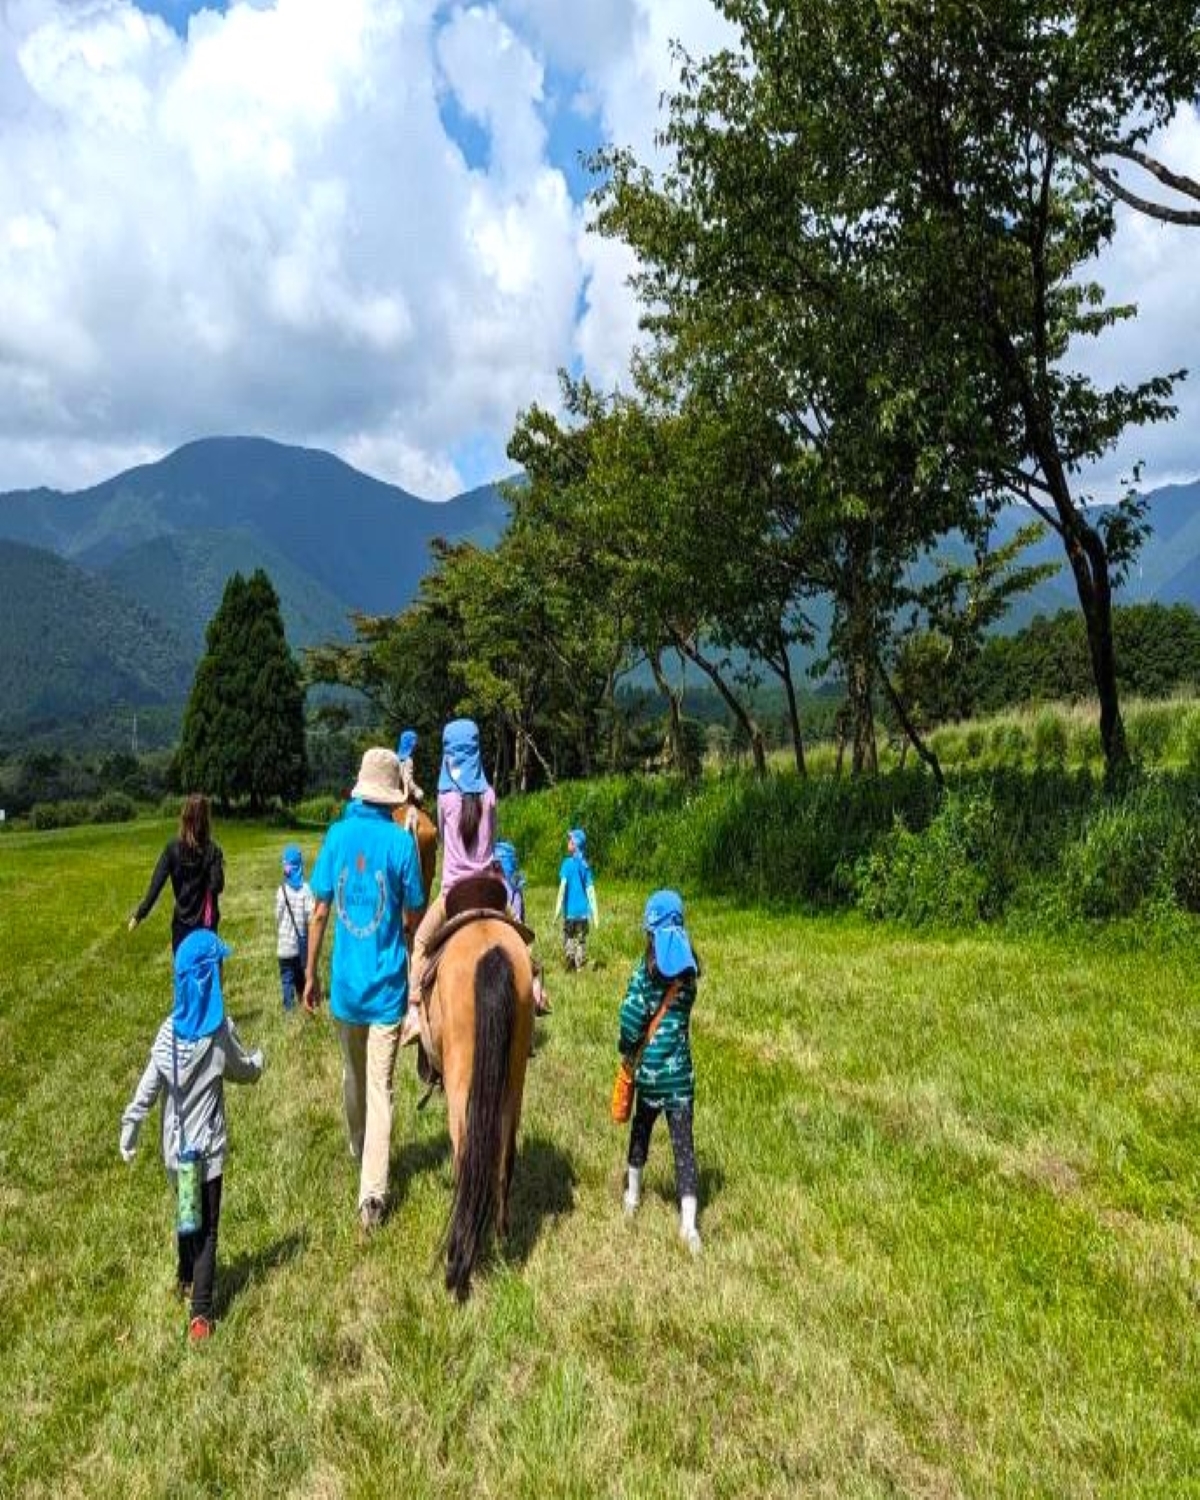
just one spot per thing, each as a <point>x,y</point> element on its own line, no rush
<point>665,1077</point>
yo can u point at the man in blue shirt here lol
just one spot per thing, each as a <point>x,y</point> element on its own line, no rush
<point>368,876</point>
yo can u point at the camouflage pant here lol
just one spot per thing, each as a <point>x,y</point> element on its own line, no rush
<point>575,931</point>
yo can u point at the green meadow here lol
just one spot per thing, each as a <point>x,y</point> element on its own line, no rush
<point>949,1206</point>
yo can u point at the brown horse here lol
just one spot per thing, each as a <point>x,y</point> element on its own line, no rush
<point>479,1022</point>
<point>427,842</point>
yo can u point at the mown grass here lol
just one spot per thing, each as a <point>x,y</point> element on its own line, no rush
<point>950,1197</point>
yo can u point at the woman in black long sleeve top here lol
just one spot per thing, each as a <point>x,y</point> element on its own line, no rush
<point>196,868</point>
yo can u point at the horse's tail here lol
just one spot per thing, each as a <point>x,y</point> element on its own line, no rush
<point>474,1210</point>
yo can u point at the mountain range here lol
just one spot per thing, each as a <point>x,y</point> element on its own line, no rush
<point>105,593</point>
<point>147,553</point>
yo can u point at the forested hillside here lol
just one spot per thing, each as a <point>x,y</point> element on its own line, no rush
<point>73,643</point>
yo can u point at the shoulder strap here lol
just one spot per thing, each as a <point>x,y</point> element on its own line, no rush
<point>288,907</point>
<point>656,1019</point>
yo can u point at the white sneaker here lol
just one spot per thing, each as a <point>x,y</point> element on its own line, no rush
<point>691,1238</point>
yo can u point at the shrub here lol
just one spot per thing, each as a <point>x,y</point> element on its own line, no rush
<point>1183,745</point>
<point>114,807</point>
<point>322,810</point>
<point>957,870</point>
<point>48,815</point>
<point>975,742</point>
<point>1149,728</point>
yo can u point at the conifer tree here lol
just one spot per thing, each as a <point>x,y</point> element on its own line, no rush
<point>243,729</point>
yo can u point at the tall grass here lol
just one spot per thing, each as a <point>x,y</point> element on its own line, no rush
<point>1043,838</point>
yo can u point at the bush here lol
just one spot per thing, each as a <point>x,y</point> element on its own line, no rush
<point>1008,743</point>
<point>48,815</point>
<point>321,810</point>
<point>114,807</point>
<point>1183,745</point>
<point>958,870</point>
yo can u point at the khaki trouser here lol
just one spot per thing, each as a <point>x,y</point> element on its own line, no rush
<point>368,1066</point>
<point>431,924</point>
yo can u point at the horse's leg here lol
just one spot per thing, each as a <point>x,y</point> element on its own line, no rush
<point>514,1092</point>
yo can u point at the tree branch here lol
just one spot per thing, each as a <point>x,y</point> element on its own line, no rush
<point>1189,217</point>
<point>1188,186</point>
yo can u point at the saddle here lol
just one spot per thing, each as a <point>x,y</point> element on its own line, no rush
<point>472,900</point>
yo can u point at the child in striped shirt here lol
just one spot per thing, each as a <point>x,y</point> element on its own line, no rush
<point>663,985</point>
<point>294,907</point>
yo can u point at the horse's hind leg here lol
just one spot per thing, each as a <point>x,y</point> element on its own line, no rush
<point>508,1159</point>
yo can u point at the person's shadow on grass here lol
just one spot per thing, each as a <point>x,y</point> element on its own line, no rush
<point>234,1278</point>
<point>543,1187</point>
<point>414,1159</point>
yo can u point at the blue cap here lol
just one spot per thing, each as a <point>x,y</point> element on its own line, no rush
<point>406,744</point>
<point>293,866</point>
<point>462,764</point>
<point>199,1003</point>
<point>664,922</point>
<point>580,839</point>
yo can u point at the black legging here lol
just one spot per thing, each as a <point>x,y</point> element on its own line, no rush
<point>198,1252</point>
<point>679,1123</point>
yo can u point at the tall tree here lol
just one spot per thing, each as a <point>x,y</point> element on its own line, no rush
<point>890,180</point>
<point>243,728</point>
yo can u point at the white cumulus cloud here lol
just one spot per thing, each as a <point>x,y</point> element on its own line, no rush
<point>269,224</point>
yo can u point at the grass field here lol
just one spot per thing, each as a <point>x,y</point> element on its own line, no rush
<point>950,1209</point>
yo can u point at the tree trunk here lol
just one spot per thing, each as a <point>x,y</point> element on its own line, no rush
<point>674,697</point>
<point>860,647</point>
<point>783,670</point>
<point>1086,552</point>
<point>1094,587</point>
<point>744,717</point>
<point>912,735</point>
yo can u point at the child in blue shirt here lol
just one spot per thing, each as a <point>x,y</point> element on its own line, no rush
<point>576,902</point>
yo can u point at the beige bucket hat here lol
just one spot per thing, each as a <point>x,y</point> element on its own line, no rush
<point>379,778</point>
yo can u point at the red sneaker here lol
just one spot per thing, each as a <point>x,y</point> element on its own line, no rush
<point>199,1328</point>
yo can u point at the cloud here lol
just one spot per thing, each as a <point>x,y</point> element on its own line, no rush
<point>266,216</point>
<point>264,226</point>
<point>1151,266</point>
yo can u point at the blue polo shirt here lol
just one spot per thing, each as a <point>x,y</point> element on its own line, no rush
<point>369,873</point>
<point>575,903</point>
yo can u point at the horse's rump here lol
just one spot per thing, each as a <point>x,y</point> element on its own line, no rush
<point>484,1000</point>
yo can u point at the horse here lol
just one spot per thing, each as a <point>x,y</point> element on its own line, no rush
<point>427,842</point>
<point>478,1027</point>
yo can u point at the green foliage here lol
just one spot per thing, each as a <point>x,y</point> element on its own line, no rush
<point>1049,740</point>
<point>48,815</point>
<point>1119,861</point>
<point>74,646</point>
<point>955,872</point>
<point>114,807</point>
<point>243,731</point>
<point>1157,648</point>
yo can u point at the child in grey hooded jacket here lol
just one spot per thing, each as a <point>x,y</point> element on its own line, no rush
<point>196,1049</point>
